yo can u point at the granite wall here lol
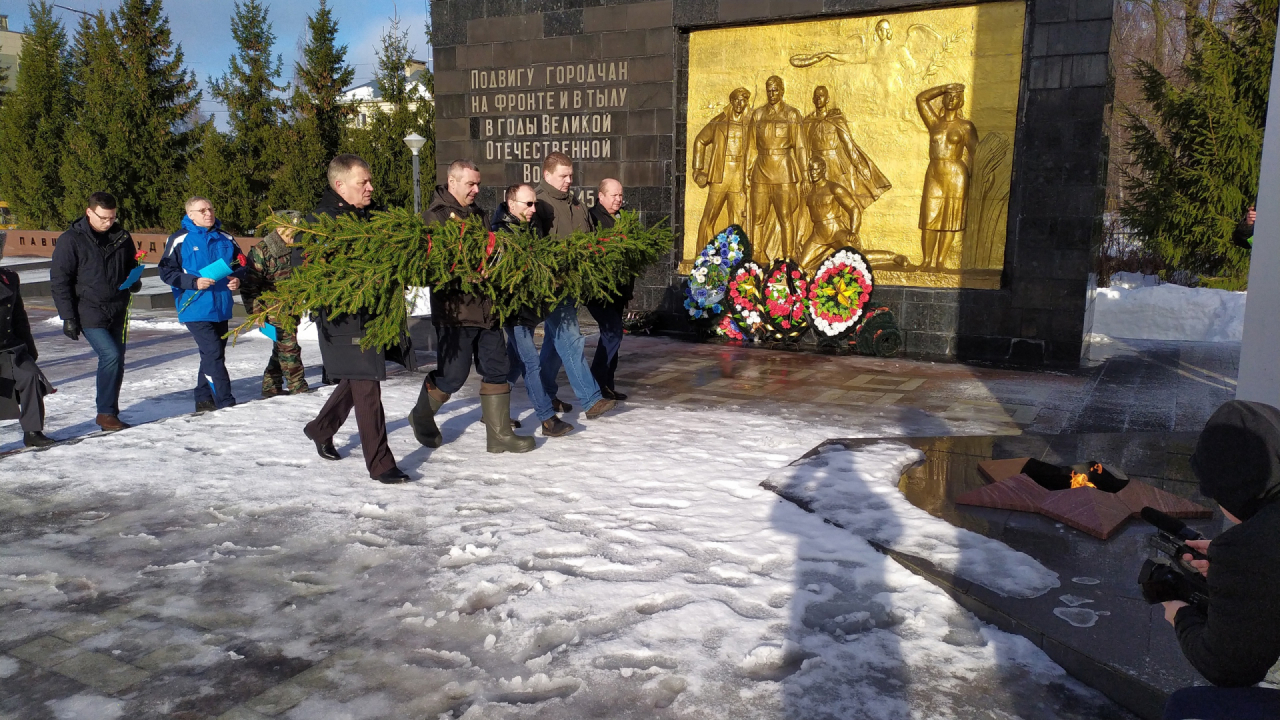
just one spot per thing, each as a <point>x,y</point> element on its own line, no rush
<point>548,50</point>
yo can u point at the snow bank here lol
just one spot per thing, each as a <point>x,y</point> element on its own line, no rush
<point>1131,308</point>
<point>859,491</point>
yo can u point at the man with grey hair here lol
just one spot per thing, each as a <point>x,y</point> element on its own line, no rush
<point>359,371</point>
<point>20,379</point>
<point>608,314</point>
<point>467,332</point>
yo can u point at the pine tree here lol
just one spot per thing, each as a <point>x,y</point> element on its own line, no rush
<point>33,123</point>
<point>212,173</point>
<point>249,91</point>
<point>96,155</point>
<point>381,142</point>
<point>1198,157</point>
<point>313,135</point>
<point>155,99</point>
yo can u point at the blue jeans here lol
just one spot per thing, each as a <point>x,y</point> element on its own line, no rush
<point>108,345</point>
<point>1220,703</point>
<point>563,341</point>
<point>524,361</point>
<point>213,365</point>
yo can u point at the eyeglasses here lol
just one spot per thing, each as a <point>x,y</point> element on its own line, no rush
<point>202,211</point>
<point>108,219</point>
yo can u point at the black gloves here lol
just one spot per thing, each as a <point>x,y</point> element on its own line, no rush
<point>134,288</point>
<point>71,328</point>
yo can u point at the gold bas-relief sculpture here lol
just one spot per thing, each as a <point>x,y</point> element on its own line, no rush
<point>953,141</point>
<point>906,155</point>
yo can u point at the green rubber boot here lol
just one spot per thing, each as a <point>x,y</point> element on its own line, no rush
<point>495,408</point>
<point>423,416</point>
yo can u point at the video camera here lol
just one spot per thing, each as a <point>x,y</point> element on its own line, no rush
<point>1167,576</point>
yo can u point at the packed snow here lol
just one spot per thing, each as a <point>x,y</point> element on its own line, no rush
<point>633,568</point>
<point>1136,308</point>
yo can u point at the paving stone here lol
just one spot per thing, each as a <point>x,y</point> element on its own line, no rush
<point>240,713</point>
<point>46,651</point>
<point>278,699</point>
<point>166,657</point>
<point>102,672</point>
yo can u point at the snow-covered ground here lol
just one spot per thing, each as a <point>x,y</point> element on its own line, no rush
<point>1134,307</point>
<point>635,568</point>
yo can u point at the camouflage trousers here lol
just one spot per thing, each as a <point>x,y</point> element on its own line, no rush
<point>285,368</point>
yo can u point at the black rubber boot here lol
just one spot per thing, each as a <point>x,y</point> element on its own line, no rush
<point>495,408</point>
<point>423,416</point>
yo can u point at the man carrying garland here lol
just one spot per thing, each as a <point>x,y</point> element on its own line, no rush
<point>359,372</point>
<point>467,332</point>
<point>608,314</point>
<point>562,215</point>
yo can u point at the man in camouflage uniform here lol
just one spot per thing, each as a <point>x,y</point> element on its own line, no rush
<point>270,261</point>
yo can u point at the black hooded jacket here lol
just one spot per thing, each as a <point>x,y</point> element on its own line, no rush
<point>340,334</point>
<point>602,220</point>
<point>1237,459</point>
<point>450,306</point>
<point>85,276</point>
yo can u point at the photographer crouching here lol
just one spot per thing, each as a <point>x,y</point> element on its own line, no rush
<point>1233,639</point>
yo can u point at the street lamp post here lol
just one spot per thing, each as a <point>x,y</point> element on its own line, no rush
<point>415,143</point>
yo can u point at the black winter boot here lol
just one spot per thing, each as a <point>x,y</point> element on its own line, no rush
<point>37,439</point>
<point>495,408</point>
<point>423,416</point>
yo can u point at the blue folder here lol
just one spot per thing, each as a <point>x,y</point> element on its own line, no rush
<point>134,276</point>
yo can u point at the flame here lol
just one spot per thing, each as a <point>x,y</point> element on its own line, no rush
<point>1079,480</point>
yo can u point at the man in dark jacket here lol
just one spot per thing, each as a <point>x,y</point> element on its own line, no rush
<point>563,215</point>
<point>20,378</point>
<point>519,212</point>
<point>358,371</point>
<point>1243,235</point>
<point>467,332</point>
<point>1235,643</point>
<point>608,315</point>
<point>91,260</point>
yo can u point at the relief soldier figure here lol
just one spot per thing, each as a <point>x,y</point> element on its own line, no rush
<point>953,142</point>
<point>827,136</point>
<point>836,214</point>
<point>776,136</point>
<point>720,162</point>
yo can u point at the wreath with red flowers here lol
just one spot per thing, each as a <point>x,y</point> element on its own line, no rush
<point>729,328</point>
<point>839,292</point>
<point>746,299</point>
<point>785,290</point>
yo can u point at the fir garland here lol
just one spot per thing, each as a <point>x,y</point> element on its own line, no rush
<point>353,266</point>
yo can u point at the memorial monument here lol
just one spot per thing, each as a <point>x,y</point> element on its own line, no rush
<point>959,149</point>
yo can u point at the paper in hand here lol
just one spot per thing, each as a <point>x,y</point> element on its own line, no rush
<point>216,270</point>
<point>270,331</point>
<point>134,276</point>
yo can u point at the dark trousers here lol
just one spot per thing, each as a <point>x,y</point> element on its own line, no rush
<point>1219,703</point>
<point>108,345</point>
<point>26,382</point>
<point>457,348</point>
<point>366,397</point>
<point>609,318</point>
<point>213,363</point>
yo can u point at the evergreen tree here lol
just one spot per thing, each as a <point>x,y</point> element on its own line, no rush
<point>1197,159</point>
<point>381,141</point>
<point>249,91</point>
<point>313,135</point>
<point>157,96</point>
<point>96,154</point>
<point>212,173</point>
<point>33,123</point>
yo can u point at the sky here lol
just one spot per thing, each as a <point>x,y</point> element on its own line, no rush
<point>203,27</point>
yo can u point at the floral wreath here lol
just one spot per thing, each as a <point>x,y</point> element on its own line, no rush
<point>746,298</point>
<point>708,283</point>
<point>729,328</point>
<point>786,289</point>
<point>839,292</point>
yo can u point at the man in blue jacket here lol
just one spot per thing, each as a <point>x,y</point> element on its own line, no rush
<point>204,304</point>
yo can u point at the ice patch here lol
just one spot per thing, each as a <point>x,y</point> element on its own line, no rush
<point>458,557</point>
<point>1085,580</point>
<point>1074,600</point>
<point>86,707</point>
<point>8,667</point>
<point>1077,616</point>
<point>370,510</point>
<point>858,490</point>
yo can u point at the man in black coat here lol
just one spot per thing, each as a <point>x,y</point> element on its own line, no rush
<point>467,332</point>
<point>608,315</point>
<point>20,378</point>
<point>1235,643</point>
<point>91,260</point>
<point>358,371</point>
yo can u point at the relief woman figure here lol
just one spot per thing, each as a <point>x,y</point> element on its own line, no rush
<point>953,142</point>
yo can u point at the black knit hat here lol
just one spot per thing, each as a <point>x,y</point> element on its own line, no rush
<point>1237,457</point>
